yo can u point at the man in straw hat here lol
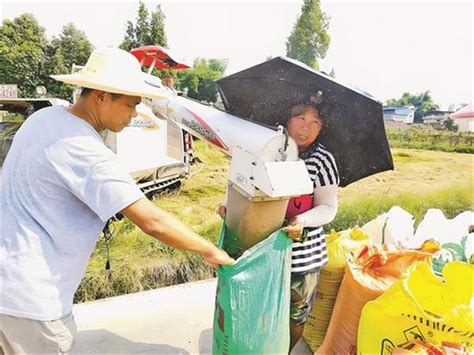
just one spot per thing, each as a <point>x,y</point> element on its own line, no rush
<point>60,185</point>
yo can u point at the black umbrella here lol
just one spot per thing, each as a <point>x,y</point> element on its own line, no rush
<point>353,121</point>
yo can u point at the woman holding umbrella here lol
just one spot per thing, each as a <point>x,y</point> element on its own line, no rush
<point>307,214</point>
<point>354,133</point>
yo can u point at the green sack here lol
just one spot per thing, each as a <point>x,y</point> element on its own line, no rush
<point>252,306</point>
<point>452,251</point>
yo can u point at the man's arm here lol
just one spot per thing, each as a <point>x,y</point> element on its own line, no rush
<point>163,226</point>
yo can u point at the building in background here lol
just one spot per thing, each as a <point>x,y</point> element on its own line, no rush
<point>397,115</point>
<point>436,118</point>
<point>464,118</point>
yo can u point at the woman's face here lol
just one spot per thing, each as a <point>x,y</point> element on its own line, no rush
<point>304,128</point>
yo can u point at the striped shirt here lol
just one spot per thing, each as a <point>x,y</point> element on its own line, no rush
<point>311,254</point>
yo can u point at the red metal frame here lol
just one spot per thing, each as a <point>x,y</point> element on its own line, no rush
<point>158,57</point>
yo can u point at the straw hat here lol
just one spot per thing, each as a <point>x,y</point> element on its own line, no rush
<point>112,70</point>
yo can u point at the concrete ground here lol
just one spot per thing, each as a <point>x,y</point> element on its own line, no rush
<point>170,320</point>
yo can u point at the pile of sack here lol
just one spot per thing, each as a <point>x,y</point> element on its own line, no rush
<point>388,289</point>
<point>338,246</point>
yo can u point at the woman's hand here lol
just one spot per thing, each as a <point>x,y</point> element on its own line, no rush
<point>294,230</point>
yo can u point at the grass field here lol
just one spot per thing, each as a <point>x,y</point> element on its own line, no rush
<point>428,138</point>
<point>421,180</point>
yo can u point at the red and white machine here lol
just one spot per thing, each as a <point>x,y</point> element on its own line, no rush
<point>265,170</point>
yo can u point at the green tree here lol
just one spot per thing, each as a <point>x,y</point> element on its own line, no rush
<point>22,53</point>
<point>218,65</point>
<point>141,28</point>
<point>130,40</point>
<point>71,47</point>
<point>450,125</point>
<point>147,30</point>
<point>199,82</point>
<point>309,39</point>
<point>157,28</point>
<point>423,102</point>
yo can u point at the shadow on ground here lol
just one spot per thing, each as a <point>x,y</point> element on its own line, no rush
<point>101,341</point>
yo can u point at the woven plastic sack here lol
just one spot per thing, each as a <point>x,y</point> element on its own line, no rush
<point>371,273</point>
<point>339,246</point>
<point>453,252</point>
<point>394,227</point>
<point>453,235</point>
<point>252,304</point>
<point>420,306</point>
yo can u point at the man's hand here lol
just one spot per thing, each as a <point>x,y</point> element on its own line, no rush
<point>163,226</point>
<point>295,231</point>
<point>218,257</point>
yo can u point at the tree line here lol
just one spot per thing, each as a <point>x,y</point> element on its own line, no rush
<point>28,58</point>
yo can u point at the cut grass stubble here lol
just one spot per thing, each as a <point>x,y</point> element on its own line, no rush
<point>421,180</point>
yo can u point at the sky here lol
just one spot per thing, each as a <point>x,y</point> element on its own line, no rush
<point>382,47</point>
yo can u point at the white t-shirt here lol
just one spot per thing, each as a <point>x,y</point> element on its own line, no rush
<point>60,184</point>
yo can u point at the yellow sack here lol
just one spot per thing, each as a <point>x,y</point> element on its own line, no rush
<point>373,271</point>
<point>420,306</point>
<point>340,244</point>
